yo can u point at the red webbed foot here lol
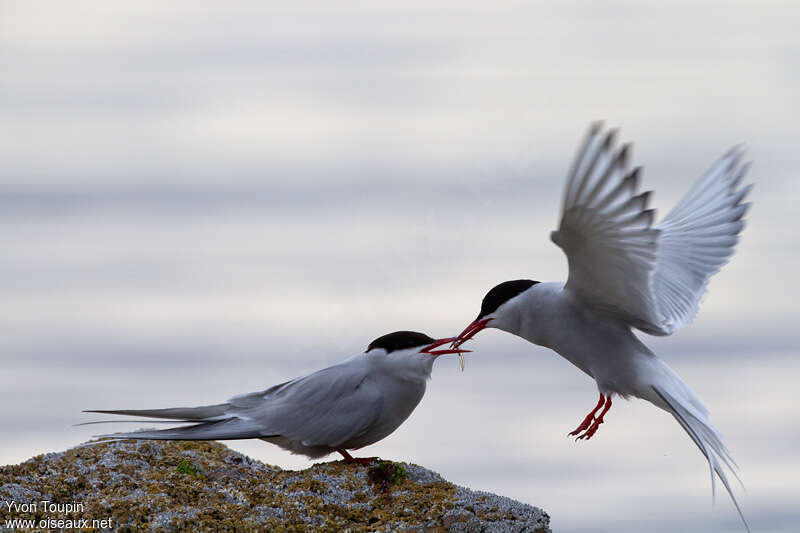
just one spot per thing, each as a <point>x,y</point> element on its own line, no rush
<point>363,461</point>
<point>591,424</point>
<point>589,418</point>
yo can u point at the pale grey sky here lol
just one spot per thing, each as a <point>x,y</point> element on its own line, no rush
<point>197,201</point>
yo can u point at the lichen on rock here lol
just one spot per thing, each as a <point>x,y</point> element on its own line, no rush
<point>205,486</point>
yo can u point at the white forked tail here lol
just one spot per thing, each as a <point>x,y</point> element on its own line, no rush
<point>678,399</point>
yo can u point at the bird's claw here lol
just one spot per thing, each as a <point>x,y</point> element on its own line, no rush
<point>590,431</point>
<point>591,424</point>
<point>363,461</point>
<point>587,422</point>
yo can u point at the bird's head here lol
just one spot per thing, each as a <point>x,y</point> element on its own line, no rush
<point>410,350</point>
<point>499,309</point>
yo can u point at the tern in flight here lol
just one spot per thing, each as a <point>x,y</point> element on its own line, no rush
<point>627,273</point>
<point>343,407</point>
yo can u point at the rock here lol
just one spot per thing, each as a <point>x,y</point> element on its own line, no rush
<point>205,486</point>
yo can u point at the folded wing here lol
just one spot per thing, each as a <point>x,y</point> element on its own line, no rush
<point>326,408</point>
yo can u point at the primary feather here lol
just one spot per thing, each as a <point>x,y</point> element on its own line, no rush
<point>650,276</point>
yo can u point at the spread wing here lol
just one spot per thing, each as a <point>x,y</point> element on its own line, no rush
<point>650,276</point>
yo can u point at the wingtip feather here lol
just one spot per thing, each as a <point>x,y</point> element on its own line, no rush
<point>625,155</point>
<point>610,139</point>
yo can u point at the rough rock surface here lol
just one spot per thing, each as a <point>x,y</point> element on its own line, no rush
<point>205,486</point>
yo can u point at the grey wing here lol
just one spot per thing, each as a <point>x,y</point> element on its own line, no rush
<point>697,238</point>
<point>606,233</point>
<point>650,276</point>
<point>328,408</point>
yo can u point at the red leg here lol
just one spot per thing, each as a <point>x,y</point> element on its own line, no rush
<point>349,459</point>
<point>589,418</point>
<point>596,424</point>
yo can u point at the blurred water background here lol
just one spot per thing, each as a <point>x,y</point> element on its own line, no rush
<point>198,201</point>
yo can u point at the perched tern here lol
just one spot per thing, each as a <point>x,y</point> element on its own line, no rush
<point>627,273</point>
<point>343,407</point>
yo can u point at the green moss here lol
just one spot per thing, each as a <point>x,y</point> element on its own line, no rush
<point>187,467</point>
<point>385,475</point>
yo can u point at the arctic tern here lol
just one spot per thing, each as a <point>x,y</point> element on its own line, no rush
<point>343,407</point>
<point>627,273</point>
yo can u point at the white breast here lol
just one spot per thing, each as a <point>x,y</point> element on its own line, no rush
<point>600,346</point>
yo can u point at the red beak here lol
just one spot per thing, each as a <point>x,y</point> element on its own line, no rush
<point>470,331</point>
<point>430,349</point>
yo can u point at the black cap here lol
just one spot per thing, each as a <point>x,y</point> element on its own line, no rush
<point>400,340</point>
<point>502,293</point>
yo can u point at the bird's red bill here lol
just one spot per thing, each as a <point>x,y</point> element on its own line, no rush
<point>440,342</point>
<point>470,331</point>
